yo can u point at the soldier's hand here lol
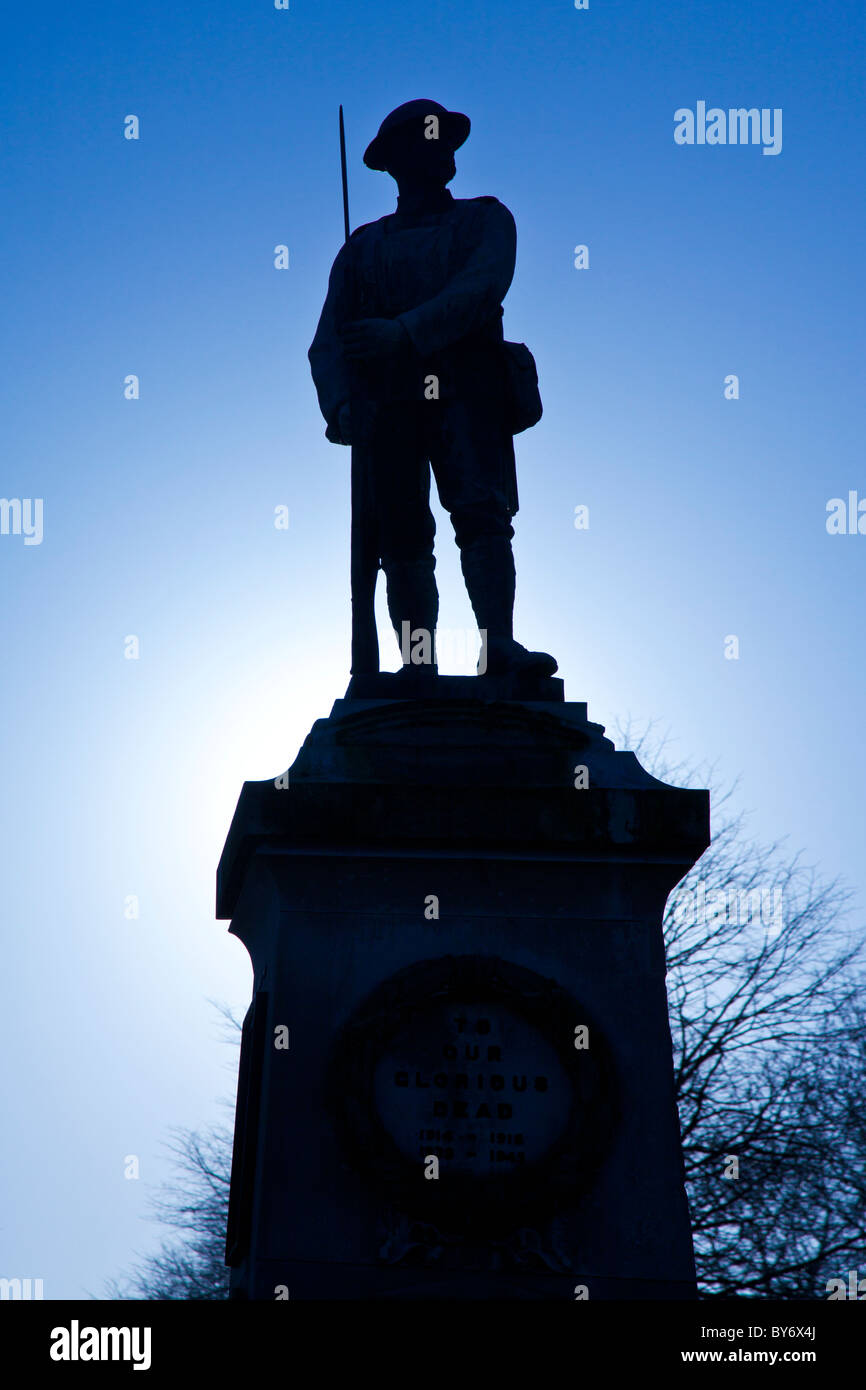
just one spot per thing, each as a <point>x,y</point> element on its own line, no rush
<point>366,338</point>
<point>339,428</point>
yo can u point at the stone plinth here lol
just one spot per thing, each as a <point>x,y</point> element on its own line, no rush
<point>453,907</point>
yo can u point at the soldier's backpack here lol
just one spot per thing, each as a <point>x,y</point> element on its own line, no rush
<point>521,383</point>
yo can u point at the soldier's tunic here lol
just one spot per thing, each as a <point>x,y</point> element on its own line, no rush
<point>444,275</point>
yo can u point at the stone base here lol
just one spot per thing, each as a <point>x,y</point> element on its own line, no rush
<point>393,685</point>
<point>453,907</point>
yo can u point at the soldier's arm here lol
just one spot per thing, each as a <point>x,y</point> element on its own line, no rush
<point>474,295</point>
<point>327,360</point>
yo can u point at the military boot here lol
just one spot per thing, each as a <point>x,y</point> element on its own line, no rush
<point>488,569</point>
<point>413,606</point>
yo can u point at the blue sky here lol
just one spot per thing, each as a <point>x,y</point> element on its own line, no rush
<point>156,257</point>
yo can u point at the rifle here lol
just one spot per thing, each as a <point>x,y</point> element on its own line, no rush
<point>364,566</point>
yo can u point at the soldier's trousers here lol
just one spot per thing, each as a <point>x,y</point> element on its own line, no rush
<point>471,455</point>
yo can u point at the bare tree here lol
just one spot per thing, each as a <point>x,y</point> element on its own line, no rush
<point>769,1035</point>
<point>196,1205</point>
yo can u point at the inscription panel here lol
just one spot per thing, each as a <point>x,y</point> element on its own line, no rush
<point>472,1059</point>
<point>476,1086</point>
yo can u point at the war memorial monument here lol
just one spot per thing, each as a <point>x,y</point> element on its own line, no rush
<point>456,1077</point>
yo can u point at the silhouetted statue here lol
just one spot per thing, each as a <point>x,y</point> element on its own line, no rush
<point>412,370</point>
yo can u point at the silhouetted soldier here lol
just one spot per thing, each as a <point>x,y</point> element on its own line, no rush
<point>410,369</point>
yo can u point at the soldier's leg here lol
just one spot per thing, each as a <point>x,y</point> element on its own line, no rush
<point>406,528</point>
<point>471,460</point>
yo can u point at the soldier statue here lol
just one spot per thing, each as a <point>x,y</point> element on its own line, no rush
<point>412,370</point>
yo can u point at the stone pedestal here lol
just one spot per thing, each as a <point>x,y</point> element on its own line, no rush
<point>456,1075</point>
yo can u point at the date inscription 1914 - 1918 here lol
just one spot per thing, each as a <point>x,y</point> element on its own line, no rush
<point>430,1073</point>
